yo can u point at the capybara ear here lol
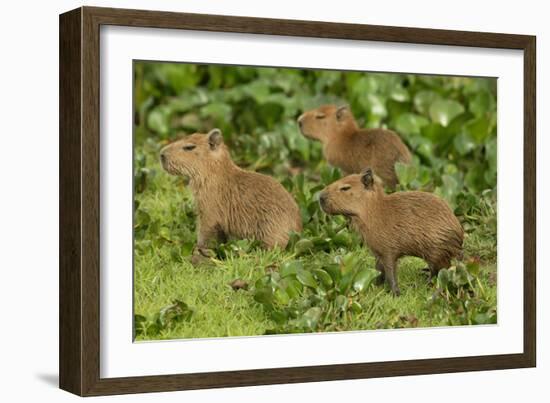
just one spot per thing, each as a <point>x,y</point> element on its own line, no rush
<point>367,178</point>
<point>215,138</point>
<point>341,112</point>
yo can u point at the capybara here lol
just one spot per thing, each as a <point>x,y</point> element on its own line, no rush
<point>352,149</point>
<point>398,224</point>
<point>231,202</point>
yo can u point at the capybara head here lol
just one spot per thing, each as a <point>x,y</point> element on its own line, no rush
<point>326,121</point>
<point>350,195</point>
<point>194,154</point>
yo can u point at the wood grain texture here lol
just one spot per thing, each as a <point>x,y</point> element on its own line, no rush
<point>70,271</point>
<point>80,200</point>
<point>530,203</point>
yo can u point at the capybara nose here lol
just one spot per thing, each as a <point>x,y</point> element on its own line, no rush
<point>323,198</point>
<point>162,157</point>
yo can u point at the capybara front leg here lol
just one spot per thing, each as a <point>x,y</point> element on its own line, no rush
<point>206,239</point>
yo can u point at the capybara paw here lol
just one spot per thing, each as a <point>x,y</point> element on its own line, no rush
<point>205,252</point>
<point>201,257</point>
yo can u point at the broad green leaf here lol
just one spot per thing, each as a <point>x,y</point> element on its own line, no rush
<point>406,173</point>
<point>444,110</point>
<point>410,123</point>
<point>423,100</point>
<point>364,278</point>
<point>294,288</point>
<point>399,94</point>
<point>290,268</point>
<point>310,319</point>
<point>464,143</point>
<point>306,278</point>
<point>356,307</point>
<point>323,277</point>
<point>158,120</point>
<point>481,103</point>
<point>346,282</point>
<point>479,129</point>
<point>264,296</point>
<point>341,303</point>
<point>334,271</point>
<point>281,296</point>
<point>303,246</point>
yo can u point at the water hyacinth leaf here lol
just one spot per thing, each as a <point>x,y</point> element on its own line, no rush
<point>279,317</point>
<point>158,120</point>
<point>303,246</point>
<point>343,238</point>
<point>341,303</point>
<point>264,296</point>
<point>346,281</point>
<point>311,317</point>
<point>323,277</point>
<point>424,99</point>
<point>481,103</point>
<point>399,94</point>
<point>334,271</point>
<point>364,278</point>
<point>478,129</point>
<point>356,307</point>
<point>290,268</point>
<point>281,297</point>
<point>443,111</point>
<point>410,123</point>
<point>464,143</point>
<point>218,111</point>
<point>294,288</point>
<point>306,278</point>
<point>406,173</point>
<point>473,268</point>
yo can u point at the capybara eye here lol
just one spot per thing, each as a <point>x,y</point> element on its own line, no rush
<point>189,147</point>
<point>320,116</point>
<point>345,188</point>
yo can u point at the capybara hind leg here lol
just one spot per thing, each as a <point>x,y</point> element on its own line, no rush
<point>432,271</point>
<point>390,274</point>
<point>380,267</point>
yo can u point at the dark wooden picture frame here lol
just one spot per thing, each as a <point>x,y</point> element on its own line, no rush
<point>79,349</point>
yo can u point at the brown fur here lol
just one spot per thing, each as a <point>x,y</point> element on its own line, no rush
<point>231,202</point>
<point>394,225</point>
<point>352,149</point>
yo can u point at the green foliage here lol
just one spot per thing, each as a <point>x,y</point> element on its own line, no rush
<point>316,298</point>
<point>323,280</point>
<point>165,319</point>
<point>460,298</point>
<point>449,122</point>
